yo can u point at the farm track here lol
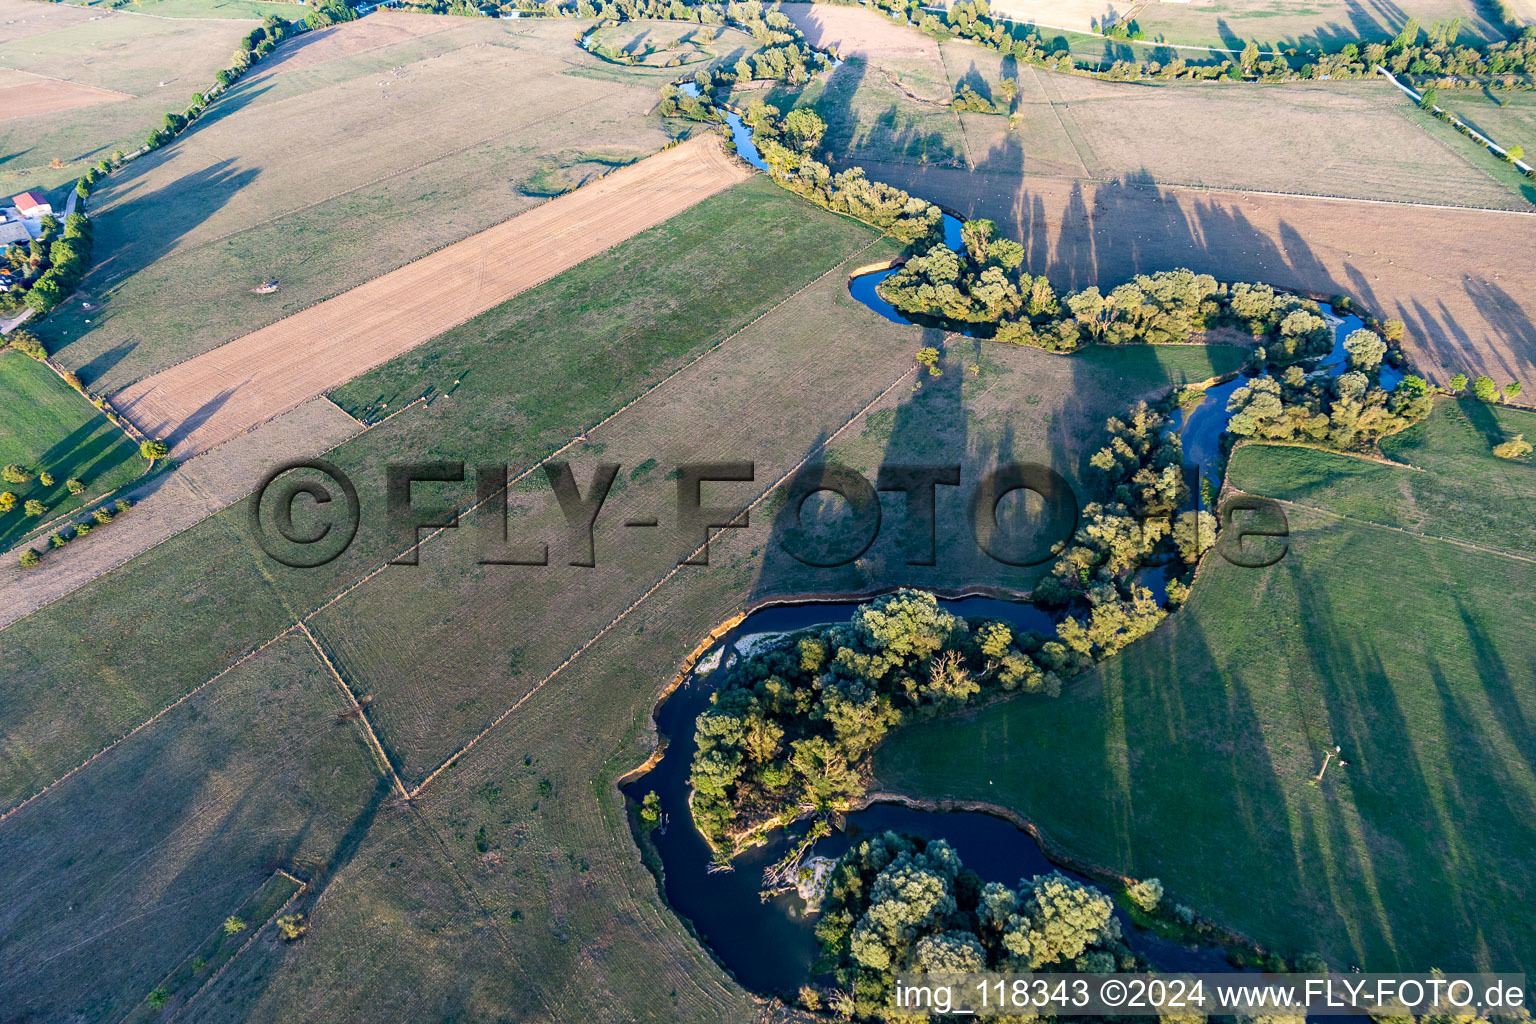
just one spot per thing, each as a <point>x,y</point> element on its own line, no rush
<point>212,397</point>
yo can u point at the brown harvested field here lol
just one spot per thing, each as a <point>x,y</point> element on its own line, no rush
<point>231,389</point>
<point>19,19</point>
<point>1081,15</point>
<point>1352,139</point>
<point>152,65</point>
<point>1462,280</point>
<point>427,140</point>
<point>50,96</point>
<point>381,29</point>
<point>167,504</point>
<point>1303,23</point>
<point>860,32</point>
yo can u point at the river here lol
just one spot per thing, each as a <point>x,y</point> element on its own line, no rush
<point>769,946</point>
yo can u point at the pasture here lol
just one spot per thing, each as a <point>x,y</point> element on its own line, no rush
<point>132,70</point>
<point>672,44</point>
<point>1193,753</point>
<point>49,427</point>
<point>220,394</point>
<point>414,159</point>
<point>892,107</point>
<point>724,333</point>
<point>1303,23</point>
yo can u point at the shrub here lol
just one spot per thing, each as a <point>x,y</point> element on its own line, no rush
<point>291,926</point>
<point>650,810</point>
<point>75,485</point>
<point>1146,894</point>
<point>29,558</point>
<point>1516,447</point>
<point>157,999</point>
<point>27,343</point>
<point>233,925</point>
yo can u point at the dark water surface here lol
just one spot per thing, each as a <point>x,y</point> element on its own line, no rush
<point>770,946</point>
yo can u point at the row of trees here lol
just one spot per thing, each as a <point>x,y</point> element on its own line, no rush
<point>786,144</point>
<point>30,557</point>
<point>898,904</point>
<point>984,284</point>
<point>1413,51</point>
<point>1484,389</point>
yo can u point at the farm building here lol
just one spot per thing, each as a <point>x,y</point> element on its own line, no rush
<point>30,204</point>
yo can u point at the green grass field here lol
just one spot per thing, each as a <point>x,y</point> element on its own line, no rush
<point>1192,754</point>
<point>123,876</point>
<point>428,899</point>
<point>49,427</point>
<point>1457,489</point>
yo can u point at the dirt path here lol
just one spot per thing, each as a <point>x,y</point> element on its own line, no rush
<point>227,391</point>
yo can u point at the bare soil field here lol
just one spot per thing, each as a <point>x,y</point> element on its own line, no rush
<point>221,393</point>
<point>154,64</point>
<point>1462,280</point>
<point>415,158</point>
<point>166,505</point>
<point>50,96</point>
<point>1302,23</point>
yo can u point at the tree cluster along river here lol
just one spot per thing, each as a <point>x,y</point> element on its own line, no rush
<point>769,945</point>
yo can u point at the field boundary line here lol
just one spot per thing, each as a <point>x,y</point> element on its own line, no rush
<point>151,720</point>
<point>1052,98</point>
<point>581,437</point>
<point>209,515</point>
<point>720,532</point>
<point>354,706</point>
<point>427,537</point>
<point>254,932</point>
<point>348,191</point>
<point>1321,197</point>
<point>1470,545</point>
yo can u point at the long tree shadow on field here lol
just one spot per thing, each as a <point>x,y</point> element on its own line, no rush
<point>141,229</point>
<point>1422,828</point>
